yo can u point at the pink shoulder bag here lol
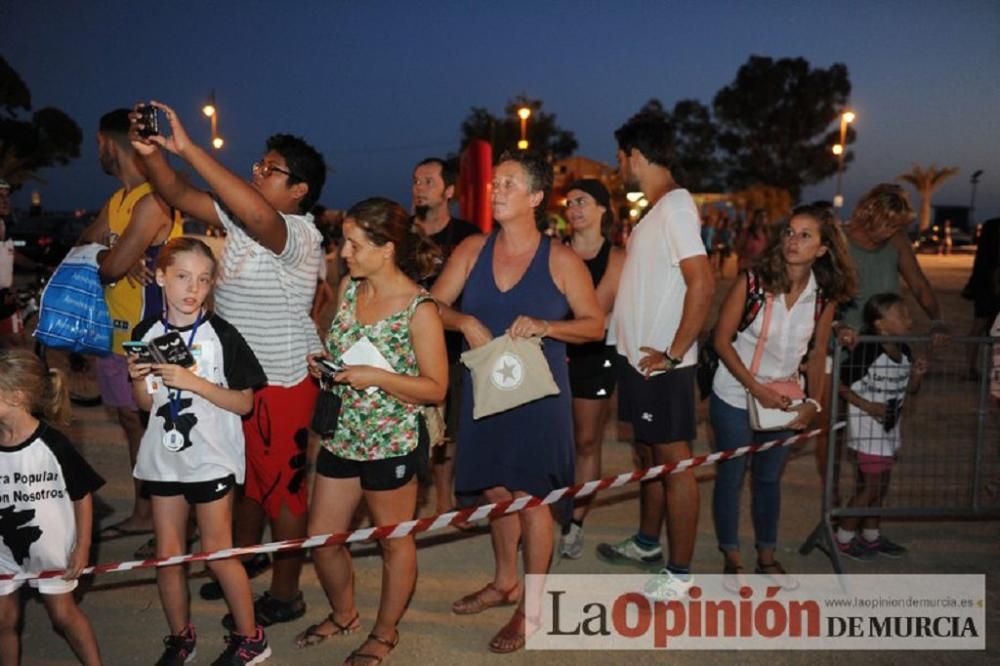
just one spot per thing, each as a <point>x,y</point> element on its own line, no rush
<point>764,418</point>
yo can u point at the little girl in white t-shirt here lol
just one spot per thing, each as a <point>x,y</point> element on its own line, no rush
<point>192,453</point>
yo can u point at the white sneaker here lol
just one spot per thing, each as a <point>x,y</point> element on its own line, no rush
<point>667,586</point>
<point>628,552</point>
<point>571,544</point>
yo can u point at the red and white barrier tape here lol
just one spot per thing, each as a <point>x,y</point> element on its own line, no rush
<point>439,521</point>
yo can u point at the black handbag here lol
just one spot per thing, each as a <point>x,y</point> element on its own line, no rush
<point>708,363</point>
<point>326,413</point>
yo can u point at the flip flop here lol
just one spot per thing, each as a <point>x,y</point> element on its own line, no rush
<point>116,531</point>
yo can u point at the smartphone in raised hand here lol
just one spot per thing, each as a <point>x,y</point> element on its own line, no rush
<point>149,120</point>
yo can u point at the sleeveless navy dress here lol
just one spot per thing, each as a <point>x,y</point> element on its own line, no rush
<point>528,448</point>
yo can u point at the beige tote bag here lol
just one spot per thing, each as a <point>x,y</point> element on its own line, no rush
<point>507,373</point>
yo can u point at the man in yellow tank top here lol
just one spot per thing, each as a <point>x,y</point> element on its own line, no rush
<point>134,224</point>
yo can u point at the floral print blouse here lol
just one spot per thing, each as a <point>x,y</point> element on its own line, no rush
<point>378,425</point>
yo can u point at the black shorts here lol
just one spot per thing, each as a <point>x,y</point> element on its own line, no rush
<point>593,376</point>
<point>385,474</point>
<point>195,492</point>
<point>661,409</point>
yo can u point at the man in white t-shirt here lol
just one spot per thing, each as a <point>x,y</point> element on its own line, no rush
<point>270,266</point>
<point>663,300</point>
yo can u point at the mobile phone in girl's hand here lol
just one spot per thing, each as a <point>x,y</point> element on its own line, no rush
<point>328,367</point>
<point>171,349</point>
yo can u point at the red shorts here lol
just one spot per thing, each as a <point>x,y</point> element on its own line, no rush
<point>277,434</point>
<point>870,463</point>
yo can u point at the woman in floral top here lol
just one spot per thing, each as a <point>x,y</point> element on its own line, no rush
<point>375,451</point>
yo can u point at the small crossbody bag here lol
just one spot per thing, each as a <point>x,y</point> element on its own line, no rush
<point>765,418</point>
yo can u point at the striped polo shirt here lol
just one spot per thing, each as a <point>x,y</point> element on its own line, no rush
<point>268,296</point>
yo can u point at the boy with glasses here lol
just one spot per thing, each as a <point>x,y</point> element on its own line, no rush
<point>270,266</point>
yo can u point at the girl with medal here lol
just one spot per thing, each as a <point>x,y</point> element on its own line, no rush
<point>192,453</point>
<point>173,440</point>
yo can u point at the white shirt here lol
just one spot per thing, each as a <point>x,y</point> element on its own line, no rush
<point>213,443</point>
<point>39,480</point>
<point>269,296</point>
<point>788,336</point>
<point>650,299</point>
<point>875,376</point>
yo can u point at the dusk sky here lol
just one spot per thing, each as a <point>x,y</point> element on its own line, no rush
<point>376,86</point>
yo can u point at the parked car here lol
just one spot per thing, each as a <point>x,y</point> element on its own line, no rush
<point>47,238</point>
<point>932,241</point>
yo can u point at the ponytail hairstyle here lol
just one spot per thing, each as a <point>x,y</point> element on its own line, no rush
<point>836,277</point>
<point>385,221</point>
<point>25,382</point>
<point>183,244</point>
<point>877,308</point>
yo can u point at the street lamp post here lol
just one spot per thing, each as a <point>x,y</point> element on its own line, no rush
<point>839,149</point>
<point>212,111</point>
<point>974,181</point>
<point>523,113</point>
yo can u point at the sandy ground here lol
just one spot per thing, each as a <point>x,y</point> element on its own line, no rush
<point>126,612</point>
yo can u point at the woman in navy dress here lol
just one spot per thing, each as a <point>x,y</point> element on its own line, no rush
<point>516,280</point>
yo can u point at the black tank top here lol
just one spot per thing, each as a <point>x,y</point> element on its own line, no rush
<point>598,266</point>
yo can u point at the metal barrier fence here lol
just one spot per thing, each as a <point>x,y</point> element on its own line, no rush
<point>933,453</point>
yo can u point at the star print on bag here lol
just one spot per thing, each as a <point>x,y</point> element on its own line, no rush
<point>508,372</point>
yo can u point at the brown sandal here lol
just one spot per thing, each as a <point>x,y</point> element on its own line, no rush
<point>477,602</point>
<point>777,574</point>
<point>312,636</point>
<point>374,659</point>
<point>513,635</point>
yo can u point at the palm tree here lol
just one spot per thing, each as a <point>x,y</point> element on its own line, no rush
<point>926,181</point>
